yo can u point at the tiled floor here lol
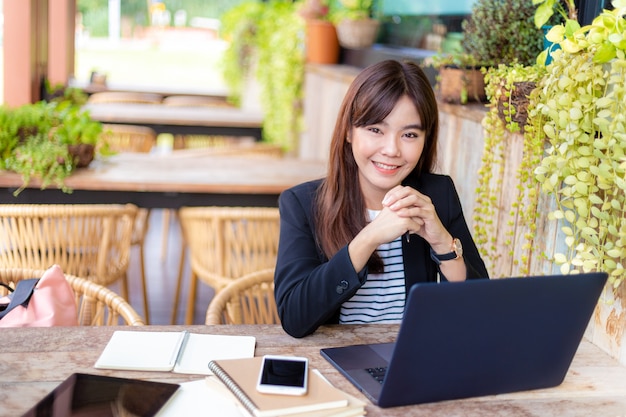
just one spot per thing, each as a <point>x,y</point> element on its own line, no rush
<point>161,275</point>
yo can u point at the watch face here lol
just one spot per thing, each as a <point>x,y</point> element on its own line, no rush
<point>458,248</point>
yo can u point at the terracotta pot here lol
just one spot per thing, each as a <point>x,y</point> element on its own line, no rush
<point>461,85</point>
<point>322,45</point>
<point>356,34</point>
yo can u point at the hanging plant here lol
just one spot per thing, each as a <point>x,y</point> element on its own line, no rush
<point>581,108</point>
<point>267,43</point>
<point>507,88</point>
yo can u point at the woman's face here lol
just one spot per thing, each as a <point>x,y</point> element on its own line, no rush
<point>388,151</point>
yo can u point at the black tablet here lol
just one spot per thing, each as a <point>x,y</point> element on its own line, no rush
<point>103,396</point>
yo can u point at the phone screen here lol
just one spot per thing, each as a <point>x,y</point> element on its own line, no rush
<point>283,374</point>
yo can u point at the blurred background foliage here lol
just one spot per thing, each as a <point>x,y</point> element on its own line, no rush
<point>96,17</point>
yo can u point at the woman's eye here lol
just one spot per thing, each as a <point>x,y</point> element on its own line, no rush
<point>373,129</point>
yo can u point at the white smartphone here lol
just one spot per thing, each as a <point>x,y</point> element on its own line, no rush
<point>287,375</point>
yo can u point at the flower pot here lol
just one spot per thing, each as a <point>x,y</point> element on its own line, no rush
<point>461,85</point>
<point>357,34</point>
<point>82,154</point>
<point>322,45</point>
<point>519,100</point>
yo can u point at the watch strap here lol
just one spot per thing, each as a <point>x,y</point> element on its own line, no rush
<point>439,258</point>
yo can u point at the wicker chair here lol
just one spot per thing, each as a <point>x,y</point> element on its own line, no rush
<point>125,97</point>
<point>247,300</point>
<point>87,240</point>
<point>225,243</point>
<point>131,138</point>
<point>128,138</point>
<point>194,101</point>
<point>96,305</point>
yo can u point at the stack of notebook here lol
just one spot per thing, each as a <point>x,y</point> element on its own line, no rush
<point>237,379</point>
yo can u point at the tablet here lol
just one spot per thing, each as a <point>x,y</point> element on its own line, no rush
<point>104,396</point>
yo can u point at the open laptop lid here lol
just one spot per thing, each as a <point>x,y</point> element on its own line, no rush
<point>482,337</point>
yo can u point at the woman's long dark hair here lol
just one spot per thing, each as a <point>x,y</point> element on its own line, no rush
<point>340,205</point>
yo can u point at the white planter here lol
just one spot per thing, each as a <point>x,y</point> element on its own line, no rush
<point>356,34</point>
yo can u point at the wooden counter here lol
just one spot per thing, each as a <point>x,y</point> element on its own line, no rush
<point>186,177</point>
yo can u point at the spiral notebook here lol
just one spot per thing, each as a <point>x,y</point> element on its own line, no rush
<point>240,376</point>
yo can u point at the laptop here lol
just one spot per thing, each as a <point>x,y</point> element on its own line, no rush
<point>475,338</point>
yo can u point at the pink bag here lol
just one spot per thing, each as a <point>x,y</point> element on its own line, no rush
<point>40,302</point>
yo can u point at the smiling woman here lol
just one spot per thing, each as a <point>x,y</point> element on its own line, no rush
<point>379,187</point>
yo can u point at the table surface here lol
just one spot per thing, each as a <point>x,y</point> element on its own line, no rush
<point>35,360</point>
<point>193,171</point>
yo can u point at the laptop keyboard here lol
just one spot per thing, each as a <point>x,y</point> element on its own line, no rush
<point>377,373</point>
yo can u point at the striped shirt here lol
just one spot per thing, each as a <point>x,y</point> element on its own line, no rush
<point>381,298</point>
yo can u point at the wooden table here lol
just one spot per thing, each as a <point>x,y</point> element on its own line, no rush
<point>199,120</point>
<point>191,177</point>
<point>35,360</point>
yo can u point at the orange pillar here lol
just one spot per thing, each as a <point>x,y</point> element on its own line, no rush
<point>25,50</point>
<point>62,24</point>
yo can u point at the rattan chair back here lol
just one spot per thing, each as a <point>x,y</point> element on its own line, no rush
<point>224,243</point>
<point>228,242</point>
<point>128,138</point>
<point>246,300</point>
<point>86,240</point>
<point>125,97</point>
<point>96,305</point>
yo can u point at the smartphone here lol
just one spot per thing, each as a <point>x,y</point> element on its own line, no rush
<point>287,375</point>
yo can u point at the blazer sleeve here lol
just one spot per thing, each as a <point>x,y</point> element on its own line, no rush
<point>455,222</point>
<point>309,289</point>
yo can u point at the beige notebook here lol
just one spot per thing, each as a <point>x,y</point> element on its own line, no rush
<point>240,376</point>
<point>179,352</point>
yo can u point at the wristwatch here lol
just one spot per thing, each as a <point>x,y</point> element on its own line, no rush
<point>457,252</point>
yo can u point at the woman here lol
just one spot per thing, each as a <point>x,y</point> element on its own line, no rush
<point>353,243</point>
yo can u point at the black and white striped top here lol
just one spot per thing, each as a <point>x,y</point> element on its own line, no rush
<point>381,298</point>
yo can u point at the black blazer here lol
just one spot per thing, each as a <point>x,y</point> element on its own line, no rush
<point>310,288</point>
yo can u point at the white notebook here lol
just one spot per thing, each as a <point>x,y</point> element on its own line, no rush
<point>179,352</point>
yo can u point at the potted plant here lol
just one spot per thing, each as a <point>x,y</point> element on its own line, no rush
<point>494,35</point>
<point>459,79</point>
<point>508,89</point>
<point>491,37</point>
<point>321,42</point>
<point>355,26</point>
<point>47,140</point>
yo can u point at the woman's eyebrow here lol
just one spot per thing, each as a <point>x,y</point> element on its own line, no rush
<point>417,126</point>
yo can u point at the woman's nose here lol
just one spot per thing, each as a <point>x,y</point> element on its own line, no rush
<point>390,146</point>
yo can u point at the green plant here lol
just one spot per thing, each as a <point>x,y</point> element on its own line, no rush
<point>36,140</point>
<point>459,77</point>
<point>495,35</point>
<point>239,27</point>
<point>351,10</point>
<point>267,44</point>
<point>507,88</point>
<point>314,9</point>
<point>546,8</point>
<point>581,109</point>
